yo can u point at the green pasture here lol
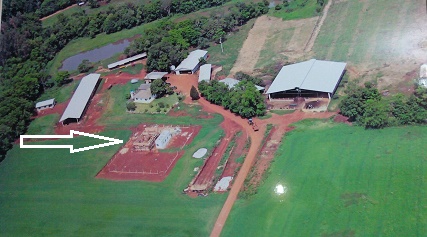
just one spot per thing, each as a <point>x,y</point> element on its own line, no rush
<point>50,192</point>
<point>43,125</point>
<point>61,94</point>
<point>364,31</point>
<point>341,181</point>
<point>295,10</point>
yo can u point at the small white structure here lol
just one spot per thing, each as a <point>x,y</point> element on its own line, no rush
<point>133,81</point>
<point>200,153</point>
<point>191,63</point>
<point>45,104</point>
<point>231,83</point>
<point>423,71</point>
<point>142,94</point>
<point>150,77</point>
<point>205,72</point>
<point>223,184</point>
<point>163,139</point>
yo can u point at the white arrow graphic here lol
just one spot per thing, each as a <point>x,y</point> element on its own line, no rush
<point>112,141</point>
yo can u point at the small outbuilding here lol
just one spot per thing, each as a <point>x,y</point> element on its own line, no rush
<point>163,139</point>
<point>205,72</point>
<point>133,81</point>
<point>46,104</point>
<point>126,61</point>
<point>423,71</point>
<point>150,77</point>
<point>191,64</point>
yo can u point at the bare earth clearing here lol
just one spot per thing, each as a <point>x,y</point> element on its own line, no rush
<point>272,39</point>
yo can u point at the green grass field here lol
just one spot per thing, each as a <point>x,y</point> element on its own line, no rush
<point>298,12</point>
<point>341,181</point>
<point>52,192</point>
<point>364,31</point>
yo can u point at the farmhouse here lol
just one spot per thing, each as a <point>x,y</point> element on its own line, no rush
<point>191,63</point>
<point>231,82</point>
<point>143,94</point>
<point>150,77</point>
<point>45,104</point>
<point>126,61</point>
<point>205,72</point>
<point>312,78</point>
<point>80,99</point>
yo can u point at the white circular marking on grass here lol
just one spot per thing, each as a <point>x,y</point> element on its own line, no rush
<point>280,189</point>
<point>200,153</point>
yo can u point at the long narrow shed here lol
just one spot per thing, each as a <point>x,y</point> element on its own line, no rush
<point>191,63</point>
<point>80,99</point>
<point>126,60</point>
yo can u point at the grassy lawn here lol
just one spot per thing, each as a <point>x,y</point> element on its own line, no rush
<point>43,125</point>
<point>298,12</point>
<point>354,183</point>
<point>61,94</point>
<point>232,46</point>
<point>52,192</point>
<point>154,106</point>
<point>282,111</point>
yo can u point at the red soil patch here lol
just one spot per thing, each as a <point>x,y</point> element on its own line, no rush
<point>89,121</point>
<point>204,178</point>
<point>339,118</point>
<point>154,165</point>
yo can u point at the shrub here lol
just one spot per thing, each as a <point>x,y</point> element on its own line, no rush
<point>161,105</point>
<point>131,106</point>
<point>278,7</point>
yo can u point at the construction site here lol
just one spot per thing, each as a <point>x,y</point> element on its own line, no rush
<point>144,156</point>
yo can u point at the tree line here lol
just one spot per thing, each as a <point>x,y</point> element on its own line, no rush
<point>168,43</point>
<point>27,48</point>
<point>243,99</point>
<point>367,107</point>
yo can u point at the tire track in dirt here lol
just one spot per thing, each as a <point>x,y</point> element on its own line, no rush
<point>316,30</point>
<point>251,49</point>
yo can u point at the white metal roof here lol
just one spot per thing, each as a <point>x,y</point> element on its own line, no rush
<point>316,75</point>
<point>45,103</point>
<point>231,82</point>
<point>155,75</point>
<point>81,97</point>
<point>192,60</point>
<point>205,72</point>
<point>127,60</point>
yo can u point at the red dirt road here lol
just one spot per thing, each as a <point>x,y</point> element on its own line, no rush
<point>44,18</point>
<point>184,83</point>
<point>206,175</point>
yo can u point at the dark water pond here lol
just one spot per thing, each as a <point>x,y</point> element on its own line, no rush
<point>96,55</point>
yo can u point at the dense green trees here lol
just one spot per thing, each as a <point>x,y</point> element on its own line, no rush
<point>84,66</point>
<point>160,88</point>
<point>365,106</point>
<point>244,99</point>
<point>167,44</point>
<point>26,48</point>
<point>194,94</point>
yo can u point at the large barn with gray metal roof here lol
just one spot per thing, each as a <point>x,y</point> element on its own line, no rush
<point>312,78</point>
<point>80,99</point>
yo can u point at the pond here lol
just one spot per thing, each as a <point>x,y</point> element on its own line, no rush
<point>95,55</point>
